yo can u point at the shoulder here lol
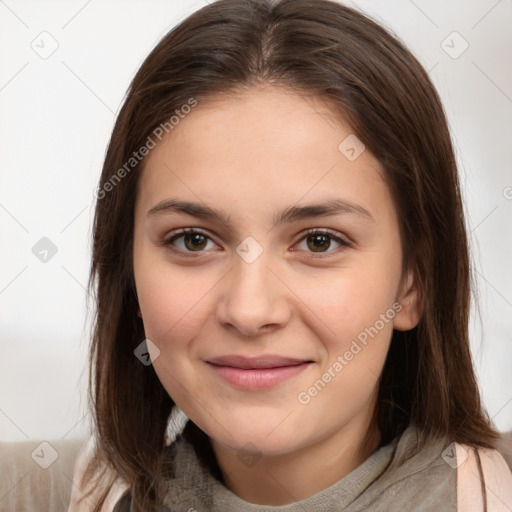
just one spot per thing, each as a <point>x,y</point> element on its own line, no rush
<point>482,474</point>
<point>81,500</point>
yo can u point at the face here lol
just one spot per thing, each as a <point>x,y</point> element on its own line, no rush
<point>273,320</point>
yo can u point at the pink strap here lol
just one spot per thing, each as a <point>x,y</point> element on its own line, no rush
<point>80,487</point>
<point>493,493</point>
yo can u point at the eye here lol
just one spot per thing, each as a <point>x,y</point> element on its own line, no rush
<point>320,240</point>
<point>193,240</point>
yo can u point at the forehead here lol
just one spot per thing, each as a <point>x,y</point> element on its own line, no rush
<point>266,145</point>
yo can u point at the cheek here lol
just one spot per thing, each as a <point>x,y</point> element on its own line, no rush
<point>172,303</point>
<point>348,301</point>
<point>173,311</point>
<point>353,316</point>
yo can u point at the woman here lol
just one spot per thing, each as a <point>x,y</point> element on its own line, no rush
<point>280,256</point>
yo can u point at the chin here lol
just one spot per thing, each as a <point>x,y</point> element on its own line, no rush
<point>258,433</point>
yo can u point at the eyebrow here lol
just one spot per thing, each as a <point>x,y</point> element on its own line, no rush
<point>286,216</point>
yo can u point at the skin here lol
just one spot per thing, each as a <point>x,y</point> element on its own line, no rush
<point>252,155</point>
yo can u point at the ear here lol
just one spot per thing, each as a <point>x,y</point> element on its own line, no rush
<point>139,313</point>
<point>411,301</point>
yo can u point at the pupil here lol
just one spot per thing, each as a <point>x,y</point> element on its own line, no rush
<point>198,240</point>
<point>319,242</point>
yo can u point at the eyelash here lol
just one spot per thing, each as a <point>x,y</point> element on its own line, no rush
<point>314,231</point>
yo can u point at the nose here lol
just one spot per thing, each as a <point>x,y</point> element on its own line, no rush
<point>254,298</point>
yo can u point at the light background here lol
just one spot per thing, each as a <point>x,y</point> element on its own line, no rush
<point>56,117</point>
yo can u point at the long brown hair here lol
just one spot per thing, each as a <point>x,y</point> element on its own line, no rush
<point>368,78</point>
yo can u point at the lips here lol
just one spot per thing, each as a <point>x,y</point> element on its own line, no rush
<point>256,373</point>
<point>248,363</point>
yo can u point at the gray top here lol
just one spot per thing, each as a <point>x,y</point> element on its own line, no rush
<point>423,483</point>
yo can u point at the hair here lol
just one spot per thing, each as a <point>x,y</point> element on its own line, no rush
<point>369,79</point>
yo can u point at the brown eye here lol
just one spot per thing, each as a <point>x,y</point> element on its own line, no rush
<point>194,241</point>
<point>188,241</point>
<point>320,241</point>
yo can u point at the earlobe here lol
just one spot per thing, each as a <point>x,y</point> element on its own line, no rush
<point>412,304</point>
<point>139,313</point>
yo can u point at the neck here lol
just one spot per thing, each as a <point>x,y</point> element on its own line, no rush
<point>283,479</point>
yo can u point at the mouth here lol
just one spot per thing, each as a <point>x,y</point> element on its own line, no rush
<point>257,372</point>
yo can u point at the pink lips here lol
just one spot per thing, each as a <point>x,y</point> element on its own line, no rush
<point>258,372</point>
